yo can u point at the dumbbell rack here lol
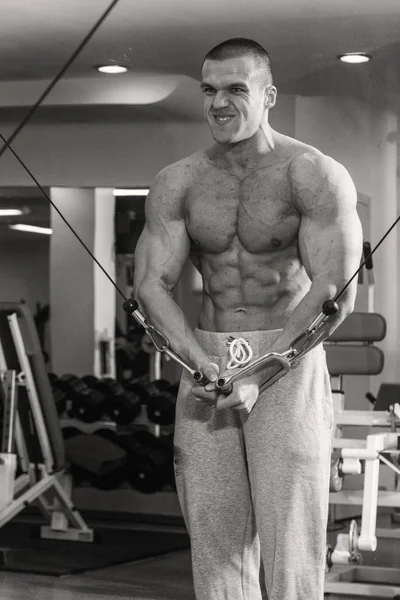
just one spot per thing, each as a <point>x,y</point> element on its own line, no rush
<point>125,500</point>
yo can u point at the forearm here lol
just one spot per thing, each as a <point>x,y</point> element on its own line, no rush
<point>309,308</point>
<point>164,314</point>
<point>303,316</point>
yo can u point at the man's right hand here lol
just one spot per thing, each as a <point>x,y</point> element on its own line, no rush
<point>208,393</point>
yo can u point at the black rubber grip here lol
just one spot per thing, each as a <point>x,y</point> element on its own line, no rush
<point>130,306</point>
<point>330,307</point>
<point>226,388</point>
<point>370,397</point>
<point>368,259</point>
<point>200,378</point>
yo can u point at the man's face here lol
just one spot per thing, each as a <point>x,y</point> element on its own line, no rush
<point>234,99</point>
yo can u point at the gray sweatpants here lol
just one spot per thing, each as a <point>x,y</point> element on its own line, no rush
<point>256,486</point>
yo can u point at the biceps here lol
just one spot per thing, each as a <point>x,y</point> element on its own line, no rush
<point>331,249</point>
<point>161,255</point>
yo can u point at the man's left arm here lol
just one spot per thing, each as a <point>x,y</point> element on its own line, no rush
<point>329,240</point>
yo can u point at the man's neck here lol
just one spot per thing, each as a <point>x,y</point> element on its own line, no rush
<point>250,154</point>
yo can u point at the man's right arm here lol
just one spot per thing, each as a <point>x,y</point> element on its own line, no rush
<point>160,255</point>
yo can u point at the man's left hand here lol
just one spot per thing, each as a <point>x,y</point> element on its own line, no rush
<point>243,397</point>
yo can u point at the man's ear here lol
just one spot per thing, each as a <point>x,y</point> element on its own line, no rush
<point>270,96</point>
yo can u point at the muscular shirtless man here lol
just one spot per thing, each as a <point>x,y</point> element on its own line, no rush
<point>271,225</point>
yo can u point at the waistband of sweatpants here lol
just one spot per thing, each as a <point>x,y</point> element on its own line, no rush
<point>216,343</point>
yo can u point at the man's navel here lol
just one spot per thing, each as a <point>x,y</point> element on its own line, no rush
<point>275,243</point>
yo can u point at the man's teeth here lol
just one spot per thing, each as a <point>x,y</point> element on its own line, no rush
<point>223,119</point>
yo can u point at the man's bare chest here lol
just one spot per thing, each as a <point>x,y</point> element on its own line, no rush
<point>255,212</point>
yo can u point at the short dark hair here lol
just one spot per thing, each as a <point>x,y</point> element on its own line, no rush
<point>236,47</point>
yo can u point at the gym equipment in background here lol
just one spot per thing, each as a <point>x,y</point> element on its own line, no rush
<point>161,402</point>
<point>33,467</point>
<point>86,404</point>
<point>122,405</point>
<point>150,463</point>
<point>89,399</point>
<point>350,351</point>
<point>95,459</point>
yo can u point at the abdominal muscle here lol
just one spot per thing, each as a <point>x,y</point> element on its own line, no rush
<point>251,293</point>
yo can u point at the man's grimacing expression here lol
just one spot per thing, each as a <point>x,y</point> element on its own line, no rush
<point>235,98</point>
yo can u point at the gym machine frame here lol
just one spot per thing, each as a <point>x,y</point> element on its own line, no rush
<point>364,581</point>
<point>356,456</point>
<point>37,478</point>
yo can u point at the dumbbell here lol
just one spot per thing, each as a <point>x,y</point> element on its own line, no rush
<point>167,442</point>
<point>145,470</point>
<point>174,388</point>
<point>123,405</point>
<point>150,461</point>
<point>87,404</point>
<point>165,447</point>
<point>60,401</point>
<point>138,389</point>
<point>161,402</point>
<point>144,439</point>
<point>91,381</point>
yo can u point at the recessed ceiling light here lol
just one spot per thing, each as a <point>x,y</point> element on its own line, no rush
<point>354,58</point>
<point>10,212</point>
<point>112,69</point>
<point>31,228</point>
<point>133,192</point>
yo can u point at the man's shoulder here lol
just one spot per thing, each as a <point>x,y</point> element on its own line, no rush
<point>174,181</point>
<point>188,167</point>
<point>307,163</point>
<point>317,177</point>
<point>297,152</point>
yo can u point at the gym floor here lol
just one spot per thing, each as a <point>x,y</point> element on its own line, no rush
<point>166,577</point>
<point>163,578</point>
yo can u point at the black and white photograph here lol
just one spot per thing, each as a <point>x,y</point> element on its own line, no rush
<point>199,300</point>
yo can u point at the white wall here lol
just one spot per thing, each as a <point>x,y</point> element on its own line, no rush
<point>24,272</point>
<point>72,282</point>
<point>103,290</point>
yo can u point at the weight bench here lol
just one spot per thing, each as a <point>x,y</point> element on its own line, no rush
<point>33,467</point>
<point>350,351</point>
